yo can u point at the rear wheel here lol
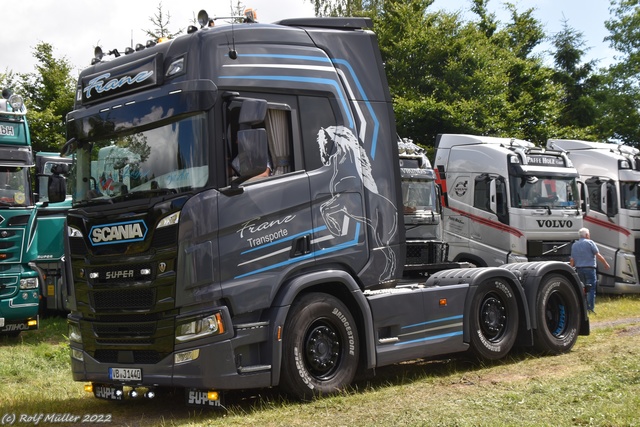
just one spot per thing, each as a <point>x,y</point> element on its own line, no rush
<point>320,347</point>
<point>558,314</point>
<point>494,320</point>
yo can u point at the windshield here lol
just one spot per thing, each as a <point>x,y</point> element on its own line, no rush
<point>168,159</point>
<point>630,194</point>
<point>418,195</point>
<point>546,192</point>
<point>13,183</point>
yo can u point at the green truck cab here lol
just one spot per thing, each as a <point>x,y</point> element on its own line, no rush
<point>20,278</point>
<point>51,225</point>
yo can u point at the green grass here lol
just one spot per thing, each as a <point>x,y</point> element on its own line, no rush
<point>596,384</point>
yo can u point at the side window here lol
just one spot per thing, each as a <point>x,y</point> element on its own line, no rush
<point>315,113</point>
<point>595,196</point>
<point>481,193</point>
<point>276,123</point>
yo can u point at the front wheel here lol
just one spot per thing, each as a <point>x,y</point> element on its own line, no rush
<point>558,315</point>
<point>494,320</point>
<point>320,347</point>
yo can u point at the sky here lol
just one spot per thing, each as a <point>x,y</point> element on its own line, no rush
<point>75,27</point>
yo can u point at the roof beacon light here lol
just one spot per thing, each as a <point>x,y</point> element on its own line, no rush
<point>250,15</point>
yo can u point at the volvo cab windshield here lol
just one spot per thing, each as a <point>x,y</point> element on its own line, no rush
<point>544,192</point>
<point>168,159</point>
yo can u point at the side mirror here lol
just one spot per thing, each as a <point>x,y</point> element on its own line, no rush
<point>57,188</point>
<point>253,152</point>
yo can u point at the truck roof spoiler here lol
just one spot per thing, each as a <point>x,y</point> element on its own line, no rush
<point>341,23</point>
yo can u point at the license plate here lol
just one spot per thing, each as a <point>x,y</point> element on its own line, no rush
<point>125,374</point>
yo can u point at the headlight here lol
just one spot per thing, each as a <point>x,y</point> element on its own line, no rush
<point>199,328</point>
<point>74,333</point>
<point>29,283</point>
<point>74,232</point>
<point>16,102</point>
<point>169,220</point>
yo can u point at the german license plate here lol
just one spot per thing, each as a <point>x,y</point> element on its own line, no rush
<point>125,374</point>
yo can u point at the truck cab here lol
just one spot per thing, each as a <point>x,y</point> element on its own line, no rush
<point>507,200</point>
<point>612,176</point>
<point>20,279</point>
<point>422,211</point>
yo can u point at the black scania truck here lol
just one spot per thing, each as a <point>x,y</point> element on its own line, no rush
<point>237,223</point>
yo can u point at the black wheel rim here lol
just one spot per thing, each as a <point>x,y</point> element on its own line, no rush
<point>322,349</point>
<point>493,317</point>
<point>556,315</point>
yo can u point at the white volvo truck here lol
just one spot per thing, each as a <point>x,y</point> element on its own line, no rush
<point>506,200</point>
<point>612,174</point>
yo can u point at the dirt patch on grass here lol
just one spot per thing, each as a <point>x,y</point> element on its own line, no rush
<point>632,330</point>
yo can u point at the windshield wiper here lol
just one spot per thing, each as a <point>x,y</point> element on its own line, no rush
<point>547,207</point>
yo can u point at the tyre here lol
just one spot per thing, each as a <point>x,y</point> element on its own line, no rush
<point>320,347</point>
<point>558,314</point>
<point>493,320</point>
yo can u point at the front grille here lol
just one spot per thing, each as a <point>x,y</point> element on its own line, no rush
<point>113,330</point>
<point>139,356</point>
<point>123,299</point>
<point>77,246</point>
<point>425,252</point>
<point>166,236</point>
<point>540,250</point>
<point>133,273</point>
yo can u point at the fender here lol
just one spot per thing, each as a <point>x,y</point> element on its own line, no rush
<point>476,276</point>
<point>531,274</point>
<point>467,257</point>
<point>292,288</point>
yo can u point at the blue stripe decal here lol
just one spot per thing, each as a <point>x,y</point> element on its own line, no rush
<point>376,123</point>
<point>435,337</point>
<point>276,242</point>
<point>444,319</point>
<point>316,80</point>
<point>341,246</point>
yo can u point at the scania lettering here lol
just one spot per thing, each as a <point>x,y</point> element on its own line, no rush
<point>124,232</point>
<point>245,279</point>
<point>20,278</point>
<point>506,200</point>
<point>612,175</point>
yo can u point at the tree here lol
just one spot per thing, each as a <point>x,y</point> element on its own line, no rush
<point>620,113</point>
<point>49,95</point>
<point>450,76</point>
<point>578,82</point>
<point>161,25</point>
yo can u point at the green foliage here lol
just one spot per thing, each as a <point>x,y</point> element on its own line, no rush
<point>450,76</point>
<point>620,91</point>
<point>49,94</point>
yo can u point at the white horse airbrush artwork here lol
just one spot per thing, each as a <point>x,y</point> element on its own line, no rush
<point>339,147</point>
